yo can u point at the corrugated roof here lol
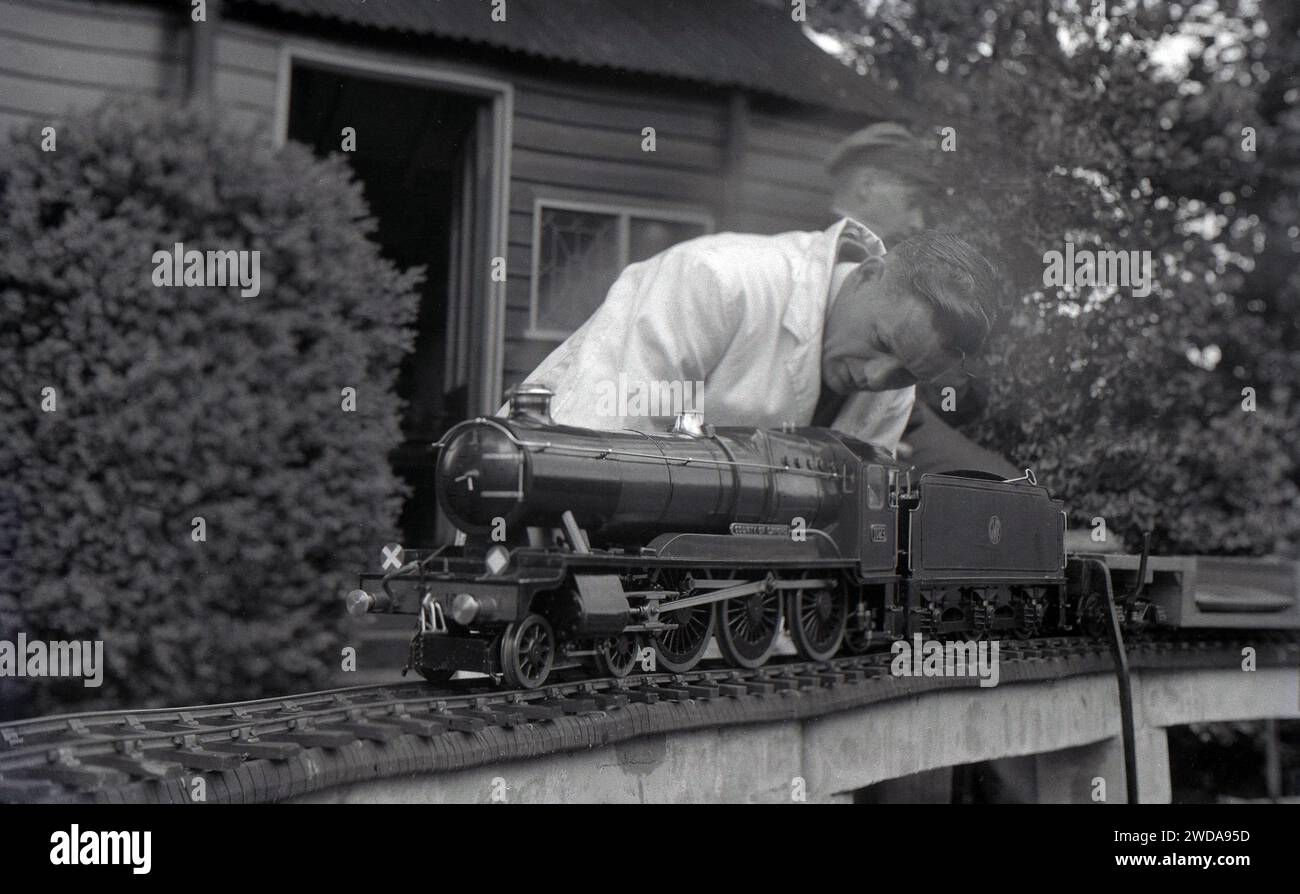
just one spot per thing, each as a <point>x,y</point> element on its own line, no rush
<point>729,43</point>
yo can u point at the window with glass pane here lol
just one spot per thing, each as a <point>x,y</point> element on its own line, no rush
<point>582,251</point>
<point>579,260</point>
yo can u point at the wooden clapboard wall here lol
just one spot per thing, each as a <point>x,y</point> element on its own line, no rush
<point>752,164</point>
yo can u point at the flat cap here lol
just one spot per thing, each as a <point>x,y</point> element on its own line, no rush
<point>889,147</point>
<point>883,137</point>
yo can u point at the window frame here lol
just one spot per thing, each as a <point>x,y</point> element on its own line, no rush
<point>624,213</point>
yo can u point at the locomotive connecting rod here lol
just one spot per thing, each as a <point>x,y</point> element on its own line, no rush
<point>767,585</point>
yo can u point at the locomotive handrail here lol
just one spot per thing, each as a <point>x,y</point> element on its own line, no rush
<point>614,453</point>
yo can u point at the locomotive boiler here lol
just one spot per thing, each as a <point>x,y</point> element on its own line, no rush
<point>602,549</point>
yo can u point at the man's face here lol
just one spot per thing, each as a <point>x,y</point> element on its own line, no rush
<point>891,205</point>
<point>880,336</point>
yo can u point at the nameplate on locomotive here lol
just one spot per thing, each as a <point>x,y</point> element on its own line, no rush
<point>760,529</point>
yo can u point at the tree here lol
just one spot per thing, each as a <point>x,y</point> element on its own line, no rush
<point>1123,126</point>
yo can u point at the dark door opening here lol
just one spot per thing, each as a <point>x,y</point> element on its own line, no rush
<point>416,149</point>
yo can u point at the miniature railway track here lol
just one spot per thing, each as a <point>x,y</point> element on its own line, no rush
<point>270,749</point>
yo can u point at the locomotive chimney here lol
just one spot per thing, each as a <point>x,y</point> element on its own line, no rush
<point>531,402</point>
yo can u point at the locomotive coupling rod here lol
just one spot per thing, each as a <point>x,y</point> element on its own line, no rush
<point>767,584</point>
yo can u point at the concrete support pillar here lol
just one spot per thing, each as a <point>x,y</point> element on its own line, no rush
<point>1094,773</point>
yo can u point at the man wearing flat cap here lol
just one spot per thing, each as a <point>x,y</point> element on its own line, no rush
<point>880,175</point>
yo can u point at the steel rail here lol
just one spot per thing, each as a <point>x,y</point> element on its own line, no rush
<point>147,754</point>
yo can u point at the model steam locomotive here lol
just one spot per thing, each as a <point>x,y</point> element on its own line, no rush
<point>608,548</point>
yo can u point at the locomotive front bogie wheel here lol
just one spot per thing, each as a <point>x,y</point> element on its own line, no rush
<point>818,619</point>
<point>527,652</point>
<point>616,656</point>
<point>748,627</point>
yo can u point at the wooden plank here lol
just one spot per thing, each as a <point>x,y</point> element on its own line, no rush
<point>518,292</point>
<point>244,90</point>
<point>126,27</point>
<point>623,113</point>
<point>523,192</point>
<point>48,98</point>
<point>622,89</point>
<point>516,320</point>
<point>808,120</point>
<point>788,137</point>
<point>807,173</point>
<point>522,356</point>
<point>634,179</point>
<point>672,149</point>
<point>35,58</point>
<point>248,49</point>
<point>798,202</point>
<point>519,261</point>
<point>765,221</point>
<point>11,121</point>
<point>521,227</point>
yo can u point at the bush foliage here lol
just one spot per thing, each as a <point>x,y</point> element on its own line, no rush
<point>1161,127</point>
<point>177,403</point>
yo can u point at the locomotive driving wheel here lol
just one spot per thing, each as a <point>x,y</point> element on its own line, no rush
<point>681,648</point>
<point>748,627</point>
<point>527,652</point>
<point>818,618</point>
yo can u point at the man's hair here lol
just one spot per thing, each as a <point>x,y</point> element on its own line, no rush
<point>958,283</point>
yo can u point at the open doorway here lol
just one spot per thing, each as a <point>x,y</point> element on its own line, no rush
<point>423,155</point>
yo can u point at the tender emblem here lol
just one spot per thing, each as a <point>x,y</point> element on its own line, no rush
<point>995,529</point>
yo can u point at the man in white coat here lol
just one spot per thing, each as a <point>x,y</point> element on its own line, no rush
<point>799,328</point>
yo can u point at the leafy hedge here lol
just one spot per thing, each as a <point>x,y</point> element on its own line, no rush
<point>183,402</point>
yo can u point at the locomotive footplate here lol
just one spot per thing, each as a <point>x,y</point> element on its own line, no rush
<point>440,652</point>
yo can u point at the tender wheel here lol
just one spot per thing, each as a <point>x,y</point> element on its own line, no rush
<point>818,619</point>
<point>527,652</point>
<point>748,627</point>
<point>1094,619</point>
<point>616,656</point>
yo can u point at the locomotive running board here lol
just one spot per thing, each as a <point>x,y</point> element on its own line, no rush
<point>748,589</point>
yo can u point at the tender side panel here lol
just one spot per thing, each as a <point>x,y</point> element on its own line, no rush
<point>968,528</point>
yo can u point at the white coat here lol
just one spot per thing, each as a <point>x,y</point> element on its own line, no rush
<point>741,313</point>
